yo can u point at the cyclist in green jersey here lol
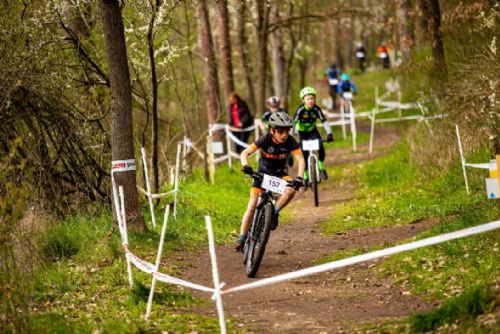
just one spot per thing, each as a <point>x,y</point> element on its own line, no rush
<point>305,123</point>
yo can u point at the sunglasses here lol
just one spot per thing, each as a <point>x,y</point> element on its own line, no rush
<point>281,130</point>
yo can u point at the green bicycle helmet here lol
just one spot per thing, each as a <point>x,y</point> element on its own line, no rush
<point>344,77</point>
<point>307,91</point>
<point>280,119</point>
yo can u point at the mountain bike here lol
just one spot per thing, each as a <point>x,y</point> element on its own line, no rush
<point>312,146</point>
<point>260,229</point>
<point>347,109</point>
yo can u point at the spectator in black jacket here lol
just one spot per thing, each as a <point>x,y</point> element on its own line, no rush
<point>239,117</point>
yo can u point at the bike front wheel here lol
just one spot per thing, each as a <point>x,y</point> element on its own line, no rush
<point>314,181</point>
<point>256,244</point>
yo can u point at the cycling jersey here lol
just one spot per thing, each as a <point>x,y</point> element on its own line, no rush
<point>273,155</point>
<point>305,119</point>
<point>333,76</point>
<point>347,86</point>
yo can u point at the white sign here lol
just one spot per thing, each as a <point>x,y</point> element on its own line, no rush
<point>347,95</point>
<point>333,82</point>
<point>122,165</point>
<point>360,54</point>
<point>310,145</point>
<point>274,184</point>
<point>492,190</point>
<point>217,147</point>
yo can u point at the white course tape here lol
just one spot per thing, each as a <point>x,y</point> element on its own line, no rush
<point>142,190</point>
<point>122,165</point>
<point>482,165</point>
<point>220,126</point>
<point>369,256</point>
<point>236,140</point>
<point>173,280</point>
<point>143,265</point>
<point>396,104</point>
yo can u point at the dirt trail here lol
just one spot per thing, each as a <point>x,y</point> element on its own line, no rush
<point>335,302</point>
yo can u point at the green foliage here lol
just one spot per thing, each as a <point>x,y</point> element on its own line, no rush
<point>66,239</point>
<point>225,202</point>
<point>475,301</point>
<point>393,191</point>
<point>89,291</point>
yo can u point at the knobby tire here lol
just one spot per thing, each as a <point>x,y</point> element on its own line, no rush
<point>257,241</point>
<point>314,182</point>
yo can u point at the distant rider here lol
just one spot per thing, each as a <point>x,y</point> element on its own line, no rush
<point>361,57</point>
<point>305,123</point>
<point>346,85</point>
<point>274,146</point>
<point>273,104</point>
<point>332,74</point>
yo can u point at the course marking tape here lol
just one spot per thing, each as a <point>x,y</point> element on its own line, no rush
<point>368,256</point>
<point>122,165</point>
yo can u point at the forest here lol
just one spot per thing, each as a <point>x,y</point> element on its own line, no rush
<point>87,83</point>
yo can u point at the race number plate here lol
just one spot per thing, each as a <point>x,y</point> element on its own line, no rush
<point>333,82</point>
<point>383,55</point>
<point>274,184</point>
<point>310,145</point>
<point>347,95</point>
<point>360,54</point>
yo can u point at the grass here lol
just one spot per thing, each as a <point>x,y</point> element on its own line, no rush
<point>475,301</point>
<point>83,287</point>
<point>393,191</point>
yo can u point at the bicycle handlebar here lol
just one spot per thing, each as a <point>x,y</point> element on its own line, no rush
<point>260,176</point>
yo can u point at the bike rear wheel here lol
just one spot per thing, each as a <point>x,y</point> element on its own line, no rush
<point>256,245</point>
<point>314,181</point>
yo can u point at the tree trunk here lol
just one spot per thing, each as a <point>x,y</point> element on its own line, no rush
<point>289,59</point>
<point>225,49</point>
<point>438,60</point>
<point>278,55</point>
<point>405,40</point>
<point>261,31</point>
<point>154,84</point>
<point>338,45</point>
<point>423,21</point>
<point>207,50</point>
<point>121,107</point>
<point>243,51</point>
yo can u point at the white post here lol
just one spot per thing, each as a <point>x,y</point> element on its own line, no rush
<point>399,103</point>
<point>148,188</point>
<point>158,259</point>
<point>184,154</point>
<point>176,179</point>
<point>342,118</point>
<point>125,235</point>
<point>229,150</point>
<point>215,272</point>
<point>462,159</point>
<point>256,123</point>
<point>211,162</point>
<point>118,210</point>
<point>372,130</point>
<point>353,126</point>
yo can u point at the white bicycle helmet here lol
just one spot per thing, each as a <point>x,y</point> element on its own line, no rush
<point>280,119</point>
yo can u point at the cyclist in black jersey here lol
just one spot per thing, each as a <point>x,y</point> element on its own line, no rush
<point>305,123</point>
<point>273,104</point>
<point>274,146</point>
